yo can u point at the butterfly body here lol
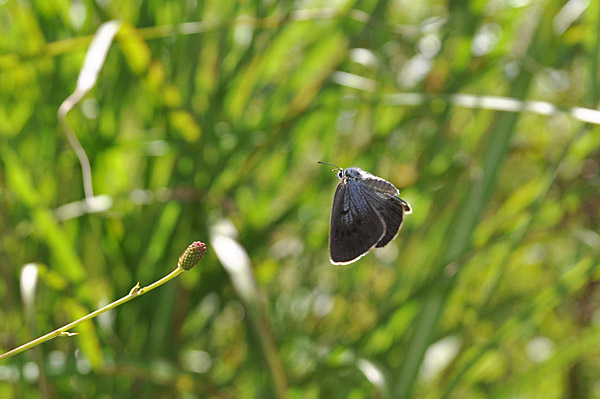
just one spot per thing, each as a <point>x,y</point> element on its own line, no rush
<point>366,213</point>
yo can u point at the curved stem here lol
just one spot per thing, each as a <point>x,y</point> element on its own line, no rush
<point>64,330</point>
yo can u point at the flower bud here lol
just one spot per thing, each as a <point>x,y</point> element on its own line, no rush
<point>192,255</point>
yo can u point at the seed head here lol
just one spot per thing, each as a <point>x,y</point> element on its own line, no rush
<point>192,255</point>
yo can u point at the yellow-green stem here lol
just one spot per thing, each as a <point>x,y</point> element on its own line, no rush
<point>64,330</point>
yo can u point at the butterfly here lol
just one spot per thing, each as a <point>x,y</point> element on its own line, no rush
<point>366,213</point>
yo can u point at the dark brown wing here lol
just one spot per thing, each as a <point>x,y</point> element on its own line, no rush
<point>392,210</point>
<point>393,215</point>
<point>356,226</point>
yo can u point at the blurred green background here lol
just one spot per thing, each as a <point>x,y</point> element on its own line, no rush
<point>207,119</point>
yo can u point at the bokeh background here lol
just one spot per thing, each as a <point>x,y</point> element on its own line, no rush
<point>206,122</point>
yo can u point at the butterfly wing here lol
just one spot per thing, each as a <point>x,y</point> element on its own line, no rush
<point>383,196</point>
<point>392,210</point>
<point>356,226</point>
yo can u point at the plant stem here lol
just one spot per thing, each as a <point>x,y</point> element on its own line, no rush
<point>64,330</point>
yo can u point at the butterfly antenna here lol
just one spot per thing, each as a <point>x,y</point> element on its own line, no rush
<point>327,163</point>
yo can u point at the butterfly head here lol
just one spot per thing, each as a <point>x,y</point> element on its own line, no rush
<point>352,173</point>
